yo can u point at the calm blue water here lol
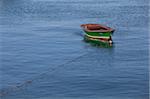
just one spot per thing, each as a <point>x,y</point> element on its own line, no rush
<point>43,55</point>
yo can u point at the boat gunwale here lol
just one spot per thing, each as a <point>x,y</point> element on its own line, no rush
<point>107,29</point>
<point>106,37</point>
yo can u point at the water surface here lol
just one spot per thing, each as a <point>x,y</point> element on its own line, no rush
<point>43,55</point>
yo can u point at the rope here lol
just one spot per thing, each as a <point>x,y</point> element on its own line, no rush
<point>5,92</point>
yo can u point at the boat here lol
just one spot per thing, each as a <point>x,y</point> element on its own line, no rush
<point>99,42</point>
<point>98,34</point>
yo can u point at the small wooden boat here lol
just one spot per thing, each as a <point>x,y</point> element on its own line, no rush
<point>97,30</point>
<point>99,42</point>
<point>98,34</point>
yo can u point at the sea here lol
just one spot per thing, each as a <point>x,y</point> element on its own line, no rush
<point>43,54</point>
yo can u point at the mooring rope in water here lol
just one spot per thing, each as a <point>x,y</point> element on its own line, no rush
<point>5,92</point>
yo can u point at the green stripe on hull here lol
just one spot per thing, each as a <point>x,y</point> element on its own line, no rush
<point>99,43</point>
<point>107,34</point>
